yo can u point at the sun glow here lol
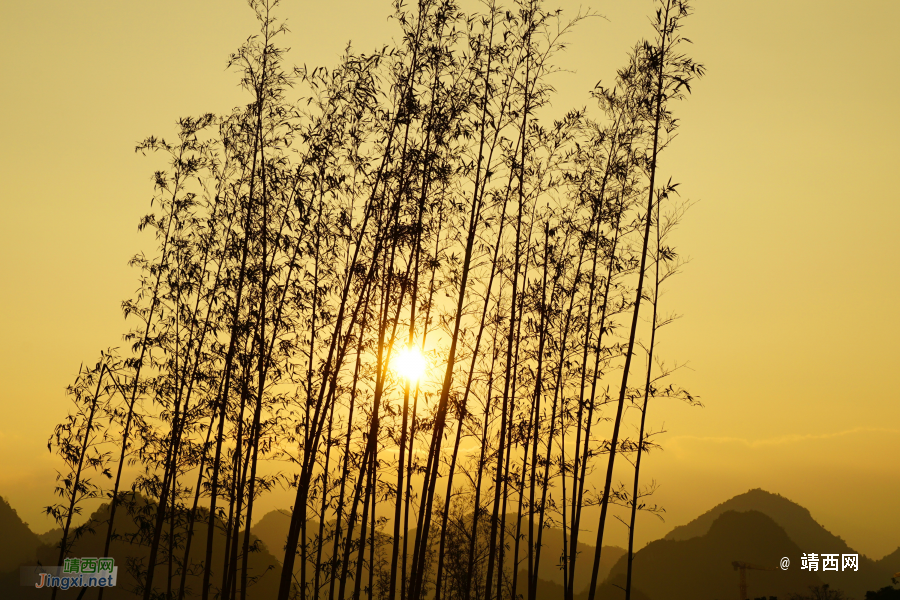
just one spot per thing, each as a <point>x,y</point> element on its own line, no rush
<point>410,364</point>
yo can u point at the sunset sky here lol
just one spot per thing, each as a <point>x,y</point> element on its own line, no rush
<point>790,301</point>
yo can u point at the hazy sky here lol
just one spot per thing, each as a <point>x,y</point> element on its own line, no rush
<point>789,145</point>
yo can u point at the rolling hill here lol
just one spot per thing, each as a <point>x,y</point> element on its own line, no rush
<point>701,567</point>
<point>803,530</point>
<point>19,544</point>
<point>692,561</point>
<point>272,528</point>
<point>130,552</point>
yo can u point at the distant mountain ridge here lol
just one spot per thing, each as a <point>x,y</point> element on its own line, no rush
<point>891,562</point>
<point>796,520</point>
<point>692,561</point>
<point>30,551</point>
<point>701,567</point>
<point>800,526</point>
<point>272,529</point>
<point>19,544</point>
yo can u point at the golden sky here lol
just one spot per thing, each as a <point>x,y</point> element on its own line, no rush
<point>790,301</point>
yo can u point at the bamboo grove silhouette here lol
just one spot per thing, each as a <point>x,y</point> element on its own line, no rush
<point>410,201</point>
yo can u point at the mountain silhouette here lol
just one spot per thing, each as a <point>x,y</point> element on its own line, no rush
<point>130,551</point>
<point>692,561</point>
<point>891,562</point>
<point>52,537</point>
<point>19,544</point>
<point>272,530</point>
<point>551,553</point>
<point>701,567</point>
<point>803,530</point>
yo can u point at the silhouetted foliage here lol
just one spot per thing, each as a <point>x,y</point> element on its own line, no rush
<point>820,592</point>
<point>409,202</point>
<point>886,593</point>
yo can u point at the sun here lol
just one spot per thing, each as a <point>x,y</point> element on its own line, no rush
<point>410,364</point>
